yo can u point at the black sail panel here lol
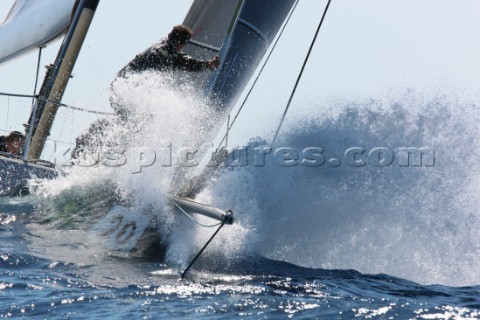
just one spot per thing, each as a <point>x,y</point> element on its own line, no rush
<point>256,27</point>
<point>210,21</point>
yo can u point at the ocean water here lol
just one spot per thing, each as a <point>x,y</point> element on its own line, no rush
<point>326,238</point>
<point>47,273</point>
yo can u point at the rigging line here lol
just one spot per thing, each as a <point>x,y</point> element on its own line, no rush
<point>76,108</point>
<point>38,72</point>
<point>18,95</point>
<point>201,251</point>
<point>85,110</point>
<point>57,103</point>
<point>8,111</point>
<point>258,76</point>
<point>228,129</point>
<point>60,141</point>
<point>59,134</point>
<point>301,73</point>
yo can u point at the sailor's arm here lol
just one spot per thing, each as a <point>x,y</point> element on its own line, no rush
<point>191,64</point>
<point>213,63</point>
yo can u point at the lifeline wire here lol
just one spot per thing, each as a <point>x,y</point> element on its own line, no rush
<point>77,108</point>
<point>301,73</point>
<point>57,103</point>
<point>18,95</point>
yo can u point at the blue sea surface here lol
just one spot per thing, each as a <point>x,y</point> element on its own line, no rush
<point>80,283</point>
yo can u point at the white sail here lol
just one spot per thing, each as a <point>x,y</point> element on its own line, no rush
<point>30,24</point>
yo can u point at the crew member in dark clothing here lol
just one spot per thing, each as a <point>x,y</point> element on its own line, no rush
<point>13,143</point>
<point>163,56</point>
<point>166,56</point>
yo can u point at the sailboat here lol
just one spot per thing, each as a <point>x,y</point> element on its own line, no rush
<point>49,19</point>
<point>239,31</point>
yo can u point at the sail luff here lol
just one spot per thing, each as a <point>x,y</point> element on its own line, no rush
<point>61,73</point>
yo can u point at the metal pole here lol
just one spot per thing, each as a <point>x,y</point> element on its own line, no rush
<point>62,70</point>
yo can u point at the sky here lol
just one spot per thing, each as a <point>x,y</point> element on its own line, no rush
<point>365,49</point>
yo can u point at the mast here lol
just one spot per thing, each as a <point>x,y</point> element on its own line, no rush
<point>58,80</point>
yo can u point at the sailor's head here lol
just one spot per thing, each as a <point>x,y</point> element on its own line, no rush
<point>179,36</point>
<point>14,142</point>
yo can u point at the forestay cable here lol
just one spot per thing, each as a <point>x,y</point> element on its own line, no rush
<point>301,73</point>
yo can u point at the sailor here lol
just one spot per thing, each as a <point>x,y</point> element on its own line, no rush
<point>167,56</point>
<point>13,143</point>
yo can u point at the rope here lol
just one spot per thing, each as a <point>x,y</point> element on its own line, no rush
<point>57,103</point>
<point>196,221</point>
<point>8,111</point>
<point>38,72</point>
<point>77,108</point>
<point>301,73</point>
<point>201,251</point>
<point>18,95</point>
<point>59,135</point>
<point>60,141</point>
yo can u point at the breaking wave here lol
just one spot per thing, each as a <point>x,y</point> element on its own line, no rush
<point>419,221</point>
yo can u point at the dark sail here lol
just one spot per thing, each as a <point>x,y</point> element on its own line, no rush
<point>211,22</point>
<point>245,44</point>
<point>256,27</point>
<point>240,31</point>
